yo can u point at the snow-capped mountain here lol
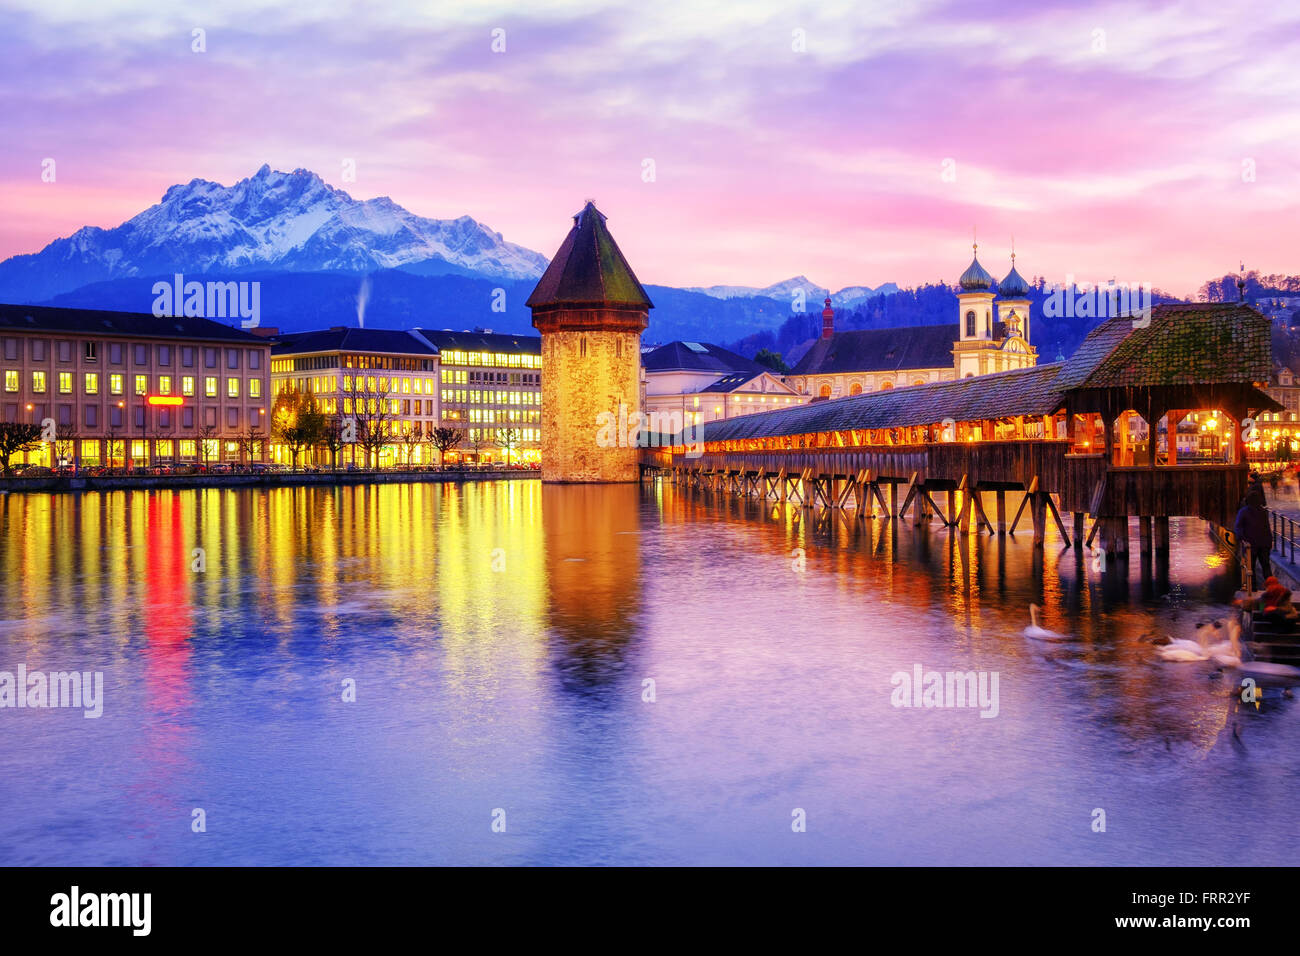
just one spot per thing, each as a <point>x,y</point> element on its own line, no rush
<point>787,289</point>
<point>292,222</point>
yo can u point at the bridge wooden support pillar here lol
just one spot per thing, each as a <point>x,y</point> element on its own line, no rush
<point>1144,535</point>
<point>1161,529</point>
<point>1114,536</point>
<point>1078,530</point>
<point>1038,513</point>
<point>893,500</point>
<point>1002,511</point>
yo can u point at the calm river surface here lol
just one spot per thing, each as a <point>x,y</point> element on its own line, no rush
<point>500,636</point>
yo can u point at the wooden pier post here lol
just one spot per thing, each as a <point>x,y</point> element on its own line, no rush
<point>1144,535</point>
<point>1038,513</point>
<point>1002,511</point>
<point>1162,534</point>
<point>1078,530</point>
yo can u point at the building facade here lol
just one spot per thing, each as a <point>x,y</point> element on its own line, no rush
<point>692,383</point>
<point>125,388</point>
<point>385,381</point>
<point>590,310</point>
<point>991,335</point>
<point>1277,433</point>
<point>490,386</point>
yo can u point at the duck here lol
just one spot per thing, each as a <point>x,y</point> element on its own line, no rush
<point>1036,633</point>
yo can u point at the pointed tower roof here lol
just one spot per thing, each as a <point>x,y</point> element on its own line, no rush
<point>589,270</point>
<point>975,278</point>
<point>1013,286</point>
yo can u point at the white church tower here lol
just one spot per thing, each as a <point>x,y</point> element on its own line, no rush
<point>974,319</point>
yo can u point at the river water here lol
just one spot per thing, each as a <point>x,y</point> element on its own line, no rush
<point>619,674</point>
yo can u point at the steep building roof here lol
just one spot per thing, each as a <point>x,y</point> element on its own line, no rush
<point>348,339</point>
<point>881,350</point>
<point>589,269</point>
<point>503,342</point>
<point>698,357</point>
<point>97,322</point>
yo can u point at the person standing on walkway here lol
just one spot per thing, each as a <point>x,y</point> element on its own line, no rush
<point>1251,527</point>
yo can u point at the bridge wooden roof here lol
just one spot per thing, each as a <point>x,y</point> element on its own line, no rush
<point>1189,344</point>
<point>1001,395</point>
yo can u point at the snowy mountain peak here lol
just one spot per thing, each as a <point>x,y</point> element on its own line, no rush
<point>273,221</point>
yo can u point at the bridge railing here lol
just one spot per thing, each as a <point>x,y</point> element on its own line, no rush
<point>1285,531</point>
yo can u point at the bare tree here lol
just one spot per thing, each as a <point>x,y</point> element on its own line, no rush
<point>508,439</point>
<point>251,441</point>
<point>445,438</point>
<point>16,437</point>
<point>332,437</point>
<point>371,413</point>
<point>207,435</point>
<point>411,440</point>
<point>65,444</point>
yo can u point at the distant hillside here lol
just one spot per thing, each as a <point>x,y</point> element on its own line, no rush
<point>397,298</point>
<point>928,305</point>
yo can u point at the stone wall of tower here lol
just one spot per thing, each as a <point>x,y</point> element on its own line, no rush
<point>586,375</point>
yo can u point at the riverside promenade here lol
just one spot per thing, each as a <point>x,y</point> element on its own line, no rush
<point>48,484</point>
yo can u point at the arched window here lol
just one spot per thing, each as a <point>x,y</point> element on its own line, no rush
<point>918,381</point>
<point>988,323</point>
<point>970,324</point>
<point>855,389</point>
<point>826,391</point>
<point>885,386</point>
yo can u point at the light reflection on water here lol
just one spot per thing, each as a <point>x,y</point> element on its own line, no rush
<point>521,688</point>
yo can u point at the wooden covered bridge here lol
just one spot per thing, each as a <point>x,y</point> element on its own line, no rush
<point>1147,420</point>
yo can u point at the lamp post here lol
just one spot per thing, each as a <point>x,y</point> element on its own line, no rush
<point>26,454</point>
<point>121,407</point>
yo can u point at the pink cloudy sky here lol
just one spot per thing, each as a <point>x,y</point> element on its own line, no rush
<point>1125,161</point>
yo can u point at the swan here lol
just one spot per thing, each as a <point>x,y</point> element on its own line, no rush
<point>1227,652</point>
<point>1034,632</point>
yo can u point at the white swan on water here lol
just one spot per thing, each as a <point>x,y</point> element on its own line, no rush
<point>1034,632</point>
<point>1227,653</point>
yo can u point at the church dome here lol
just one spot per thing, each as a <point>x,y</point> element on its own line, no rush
<point>975,279</point>
<point>1013,286</point>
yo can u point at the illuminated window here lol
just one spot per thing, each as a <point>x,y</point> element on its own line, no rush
<point>92,383</point>
<point>210,386</point>
<point>164,385</point>
<point>115,384</point>
<point>38,382</point>
<point>141,384</point>
<point>187,384</point>
<point>65,383</point>
<point>254,388</point>
<point>11,380</point>
<point>232,388</point>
